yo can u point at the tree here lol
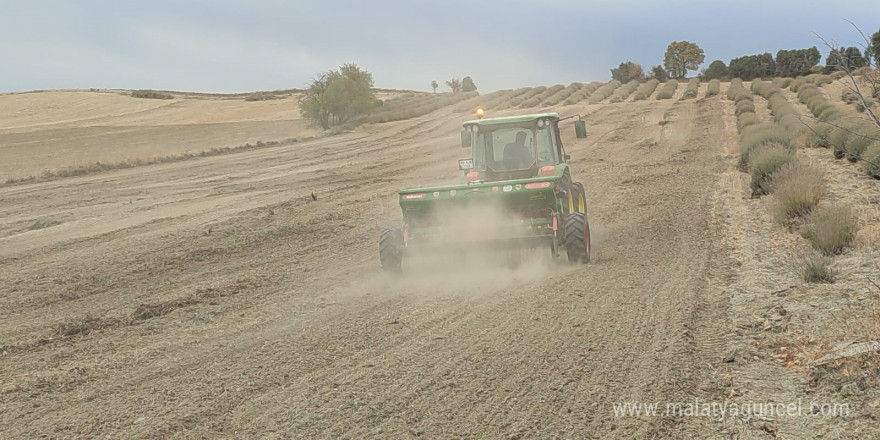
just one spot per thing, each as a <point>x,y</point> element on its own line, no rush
<point>338,96</point>
<point>750,67</point>
<point>682,56</point>
<point>467,85</point>
<point>875,48</point>
<point>454,84</point>
<point>627,72</point>
<point>716,70</point>
<point>434,85</point>
<point>854,57</point>
<point>844,58</point>
<point>796,62</point>
<point>659,73</point>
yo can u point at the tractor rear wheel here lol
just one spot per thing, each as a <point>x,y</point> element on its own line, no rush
<point>580,203</point>
<point>390,241</point>
<point>577,237</point>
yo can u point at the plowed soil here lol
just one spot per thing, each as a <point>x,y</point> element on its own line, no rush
<point>217,298</point>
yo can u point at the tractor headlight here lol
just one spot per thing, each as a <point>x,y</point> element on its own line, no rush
<point>540,123</point>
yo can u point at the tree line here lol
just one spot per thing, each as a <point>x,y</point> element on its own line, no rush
<point>684,56</point>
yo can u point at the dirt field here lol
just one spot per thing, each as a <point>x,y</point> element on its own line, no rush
<point>214,298</point>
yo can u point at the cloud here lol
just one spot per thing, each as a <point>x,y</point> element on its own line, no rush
<point>228,46</point>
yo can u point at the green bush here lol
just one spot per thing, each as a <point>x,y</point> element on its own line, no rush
<point>583,93</point>
<point>736,87</point>
<point>831,229</point>
<point>646,89</point>
<point>860,107</point>
<point>151,94</point>
<point>668,90</point>
<point>797,189</point>
<point>604,92</point>
<point>713,88</point>
<point>747,120</point>
<point>745,106</point>
<point>765,161</point>
<point>693,87</point>
<point>830,114</point>
<point>563,94</point>
<point>624,91</point>
<point>817,137</point>
<point>797,84</point>
<point>859,141</point>
<point>849,97</point>
<point>871,161</point>
<point>759,135</point>
<point>264,96</point>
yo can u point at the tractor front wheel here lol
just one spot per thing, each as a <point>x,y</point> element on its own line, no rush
<point>577,237</point>
<point>390,241</point>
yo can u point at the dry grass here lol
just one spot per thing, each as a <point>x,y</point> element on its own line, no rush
<point>831,229</point>
<point>871,161</point>
<point>816,268</point>
<point>765,161</point>
<point>98,167</point>
<point>796,189</point>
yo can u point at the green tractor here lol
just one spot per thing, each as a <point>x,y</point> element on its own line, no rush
<point>517,192</point>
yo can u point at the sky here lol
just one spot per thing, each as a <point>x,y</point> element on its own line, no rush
<point>240,46</point>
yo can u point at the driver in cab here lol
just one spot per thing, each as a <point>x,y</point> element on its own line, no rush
<point>517,155</point>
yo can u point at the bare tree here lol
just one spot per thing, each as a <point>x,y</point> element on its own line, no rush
<point>870,76</point>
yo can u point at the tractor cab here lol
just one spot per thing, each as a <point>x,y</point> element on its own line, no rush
<point>513,147</point>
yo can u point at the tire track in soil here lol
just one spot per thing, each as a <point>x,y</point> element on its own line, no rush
<point>339,352</point>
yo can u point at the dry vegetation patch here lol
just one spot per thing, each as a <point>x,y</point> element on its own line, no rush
<point>831,229</point>
<point>797,189</point>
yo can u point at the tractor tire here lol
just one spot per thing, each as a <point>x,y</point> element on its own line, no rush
<point>580,202</point>
<point>565,183</point>
<point>390,257</point>
<point>577,238</point>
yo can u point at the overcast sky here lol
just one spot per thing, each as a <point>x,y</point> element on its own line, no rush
<point>239,46</point>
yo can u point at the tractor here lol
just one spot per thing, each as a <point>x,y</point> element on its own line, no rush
<point>516,192</point>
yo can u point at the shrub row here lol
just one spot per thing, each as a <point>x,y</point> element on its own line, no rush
<point>624,91</point>
<point>646,89</point>
<point>713,88</point>
<point>583,93</point>
<point>484,101</point>
<point>693,87</point>
<point>604,91</point>
<point>782,82</point>
<point>815,79</point>
<point>854,138</point>
<point>517,100</point>
<point>540,97</point>
<point>784,113</point>
<point>415,104</point>
<point>563,94</point>
<point>736,89</point>
<point>150,94</point>
<point>668,90</point>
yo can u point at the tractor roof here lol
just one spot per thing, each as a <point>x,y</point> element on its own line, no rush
<point>513,119</point>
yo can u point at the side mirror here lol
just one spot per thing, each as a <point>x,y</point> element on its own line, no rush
<point>566,156</point>
<point>465,139</point>
<point>580,129</point>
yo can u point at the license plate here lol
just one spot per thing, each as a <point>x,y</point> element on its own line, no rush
<point>465,164</point>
